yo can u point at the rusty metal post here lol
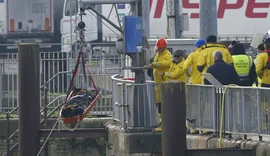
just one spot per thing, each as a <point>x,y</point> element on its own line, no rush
<point>173,112</point>
<point>29,99</point>
<point>170,18</point>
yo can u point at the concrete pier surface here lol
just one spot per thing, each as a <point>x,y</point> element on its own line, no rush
<point>149,143</point>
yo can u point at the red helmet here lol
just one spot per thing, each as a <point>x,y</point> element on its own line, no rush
<point>161,43</point>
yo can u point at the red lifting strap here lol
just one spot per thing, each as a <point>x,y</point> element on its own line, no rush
<point>81,55</point>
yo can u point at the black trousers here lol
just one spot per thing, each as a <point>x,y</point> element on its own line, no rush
<point>159,107</point>
<point>265,85</point>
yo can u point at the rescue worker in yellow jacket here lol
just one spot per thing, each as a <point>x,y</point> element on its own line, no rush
<point>176,71</point>
<point>206,58</point>
<point>195,77</point>
<point>263,65</point>
<point>260,49</point>
<point>162,62</point>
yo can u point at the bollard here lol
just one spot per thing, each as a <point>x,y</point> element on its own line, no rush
<point>173,110</point>
<point>29,99</point>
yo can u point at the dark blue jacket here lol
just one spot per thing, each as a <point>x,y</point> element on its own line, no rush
<point>223,72</point>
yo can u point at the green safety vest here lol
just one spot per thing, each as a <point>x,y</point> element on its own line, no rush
<point>242,64</point>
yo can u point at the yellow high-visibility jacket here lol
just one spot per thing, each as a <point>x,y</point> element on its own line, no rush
<point>206,58</point>
<point>258,79</point>
<point>191,62</point>
<point>176,72</point>
<point>162,63</point>
<point>261,70</point>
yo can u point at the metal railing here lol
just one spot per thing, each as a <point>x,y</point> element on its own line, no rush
<point>133,104</point>
<point>233,109</point>
<point>47,104</point>
<point>7,141</point>
<point>245,110</point>
<point>58,65</point>
<point>44,109</point>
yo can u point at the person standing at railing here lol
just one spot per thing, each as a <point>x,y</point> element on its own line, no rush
<point>243,65</point>
<point>162,62</point>
<point>260,49</point>
<point>263,65</point>
<point>195,77</point>
<point>176,72</point>
<point>206,58</point>
<point>222,71</point>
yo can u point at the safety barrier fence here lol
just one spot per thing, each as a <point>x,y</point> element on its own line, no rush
<point>232,109</point>
<point>133,104</point>
<point>245,109</point>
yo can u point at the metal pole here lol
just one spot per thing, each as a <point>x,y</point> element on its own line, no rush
<point>173,118</point>
<point>170,18</point>
<point>145,18</point>
<point>45,104</point>
<point>208,18</point>
<point>71,28</point>
<point>46,148</point>
<point>75,26</point>
<point>8,129</point>
<point>99,24</point>
<point>29,99</point>
<point>134,8</point>
<point>1,85</point>
<point>178,14</point>
<point>137,61</point>
<point>103,62</point>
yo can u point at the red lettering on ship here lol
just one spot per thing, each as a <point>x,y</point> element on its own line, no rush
<point>187,4</point>
<point>223,6</point>
<point>159,8</point>
<point>253,5</point>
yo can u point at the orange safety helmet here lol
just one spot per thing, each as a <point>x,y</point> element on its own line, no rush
<point>161,43</point>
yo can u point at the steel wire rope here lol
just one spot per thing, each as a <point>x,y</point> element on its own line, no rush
<point>104,23</point>
<point>48,137</point>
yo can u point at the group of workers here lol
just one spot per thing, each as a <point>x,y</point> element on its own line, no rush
<point>228,65</point>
